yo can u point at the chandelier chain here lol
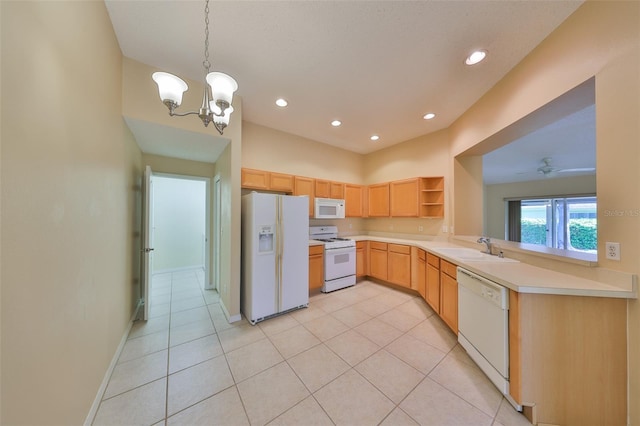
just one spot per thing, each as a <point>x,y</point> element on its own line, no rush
<point>206,63</point>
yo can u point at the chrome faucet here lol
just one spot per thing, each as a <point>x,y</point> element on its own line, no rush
<point>487,241</point>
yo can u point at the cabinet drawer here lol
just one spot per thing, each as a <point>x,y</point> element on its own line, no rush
<point>434,260</point>
<point>448,268</point>
<point>374,245</point>
<point>316,250</point>
<point>360,244</point>
<point>422,255</point>
<point>399,248</point>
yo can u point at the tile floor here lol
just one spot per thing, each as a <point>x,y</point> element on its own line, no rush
<point>366,355</point>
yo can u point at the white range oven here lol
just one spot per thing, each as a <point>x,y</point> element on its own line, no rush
<point>339,258</point>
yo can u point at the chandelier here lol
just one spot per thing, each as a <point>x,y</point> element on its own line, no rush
<point>218,90</point>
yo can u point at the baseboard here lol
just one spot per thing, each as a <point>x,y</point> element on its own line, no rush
<point>107,375</point>
<point>230,318</point>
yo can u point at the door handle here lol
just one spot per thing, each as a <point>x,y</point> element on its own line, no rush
<point>147,250</point>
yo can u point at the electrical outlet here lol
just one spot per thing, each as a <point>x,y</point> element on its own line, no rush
<point>444,229</point>
<point>420,228</point>
<point>613,251</point>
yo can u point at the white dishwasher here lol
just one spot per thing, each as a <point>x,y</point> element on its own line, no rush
<point>483,326</point>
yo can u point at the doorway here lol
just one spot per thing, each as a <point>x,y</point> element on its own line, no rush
<point>180,214</point>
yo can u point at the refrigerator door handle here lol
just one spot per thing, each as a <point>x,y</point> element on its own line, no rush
<point>279,245</point>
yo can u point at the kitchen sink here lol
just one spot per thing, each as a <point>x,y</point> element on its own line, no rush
<point>470,255</point>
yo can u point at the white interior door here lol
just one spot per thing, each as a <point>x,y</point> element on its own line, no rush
<point>147,249</point>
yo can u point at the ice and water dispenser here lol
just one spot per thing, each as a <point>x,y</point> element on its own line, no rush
<point>265,238</point>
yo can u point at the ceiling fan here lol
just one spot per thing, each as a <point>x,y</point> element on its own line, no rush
<point>548,170</point>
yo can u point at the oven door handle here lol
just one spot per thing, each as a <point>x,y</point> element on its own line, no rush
<point>340,250</point>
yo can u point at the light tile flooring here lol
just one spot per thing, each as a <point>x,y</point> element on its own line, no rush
<point>365,355</point>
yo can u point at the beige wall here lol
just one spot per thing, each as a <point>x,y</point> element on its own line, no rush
<point>264,148</point>
<point>423,156</point>
<point>600,39</point>
<point>228,167</point>
<point>494,196</point>
<point>70,209</point>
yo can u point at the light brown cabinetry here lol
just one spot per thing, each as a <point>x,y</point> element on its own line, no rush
<point>568,358</point>
<point>378,260</point>
<point>378,200</point>
<point>254,179</point>
<point>417,197</point>
<point>419,282</point>
<point>266,181</point>
<point>432,284</point>
<point>399,264</point>
<point>353,199</point>
<point>449,294</point>
<point>404,197</point>
<point>431,199</point>
<point>322,188</point>
<point>316,267</point>
<point>337,190</point>
<point>329,189</point>
<point>361,258</point>
<point>280,182</point>
<point>305,186</point>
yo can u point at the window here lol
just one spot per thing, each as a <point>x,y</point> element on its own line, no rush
<point>567,223</point>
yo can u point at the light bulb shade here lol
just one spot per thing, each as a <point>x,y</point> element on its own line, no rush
<point>222,87</point>
<point>221,119</point>
<point>170,87</point>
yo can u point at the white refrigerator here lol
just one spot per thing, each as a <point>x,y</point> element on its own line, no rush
<point>275,255</point>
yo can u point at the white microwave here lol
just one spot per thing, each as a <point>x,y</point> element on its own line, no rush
<point>328,208</point>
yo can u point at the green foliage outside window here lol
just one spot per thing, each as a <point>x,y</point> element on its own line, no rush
<point>583,233</point>
<point>533,231</point>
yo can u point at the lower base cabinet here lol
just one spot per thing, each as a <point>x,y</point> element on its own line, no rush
<point>378,260</point>
<point>449,295</point>
<point>432,282</point>
<point>361,258</point>
<point>316,267</point>
<point>399,264</point>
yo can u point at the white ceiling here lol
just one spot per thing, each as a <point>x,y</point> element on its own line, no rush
<point>570,143</point>
<point>378,66</point>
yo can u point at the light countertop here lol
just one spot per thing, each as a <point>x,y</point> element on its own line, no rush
<point>519,276</point>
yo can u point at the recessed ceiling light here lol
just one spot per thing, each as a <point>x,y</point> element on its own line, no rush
<point>282,102</point>
<point>476,57</point>
<point>336,123</point>
<point>429,116</point>
<point>375,137</point>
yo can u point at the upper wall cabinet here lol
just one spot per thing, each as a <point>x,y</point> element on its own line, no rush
<point>417,197</point>
<point>404,197</point>
<point>337,190</point>
<point>431,197</point>
<point>255,179</point>
<point>305,186</point>
<point>379,200</point>
<point>329,189</point>
<point>267,181</point>
<point>323,188</point>
<point>354,200</point>
<point>280,182</point>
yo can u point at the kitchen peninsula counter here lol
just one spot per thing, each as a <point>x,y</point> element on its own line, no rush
<point>519,276</point>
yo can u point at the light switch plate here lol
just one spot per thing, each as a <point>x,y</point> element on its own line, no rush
<point>613,250</point>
